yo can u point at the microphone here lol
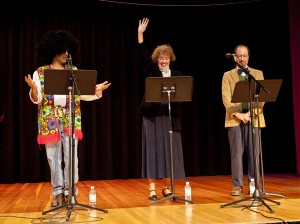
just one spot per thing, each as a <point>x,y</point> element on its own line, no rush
<point>229,55</point>
<point>69,62</point>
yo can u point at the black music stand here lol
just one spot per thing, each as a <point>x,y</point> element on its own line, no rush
<point>64,82</point>
<point>273,85</point>
<point>242,93</point>
<point>58,81</point>
<point>169,89</point>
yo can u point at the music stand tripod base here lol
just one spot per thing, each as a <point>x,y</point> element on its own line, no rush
<point>174,197</point>
<point>72,205</point>
<point>255,197</point>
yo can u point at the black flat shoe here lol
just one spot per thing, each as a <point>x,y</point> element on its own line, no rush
<point>152,197</point>
<point>163,192</point>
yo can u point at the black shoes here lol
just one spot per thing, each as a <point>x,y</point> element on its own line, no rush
<point>164,193</point>
<point>152,197</point>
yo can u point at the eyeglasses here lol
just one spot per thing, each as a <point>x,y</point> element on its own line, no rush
<point>239,56</point>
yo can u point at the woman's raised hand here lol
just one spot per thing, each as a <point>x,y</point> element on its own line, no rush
<point>143,24</point>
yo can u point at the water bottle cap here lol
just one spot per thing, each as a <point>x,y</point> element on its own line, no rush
<point>187,183</point>
<point>92,187</point>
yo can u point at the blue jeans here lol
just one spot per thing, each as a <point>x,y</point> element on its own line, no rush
<point>55,153</point>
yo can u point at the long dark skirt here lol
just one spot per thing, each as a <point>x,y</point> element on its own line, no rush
<point>156,151</point>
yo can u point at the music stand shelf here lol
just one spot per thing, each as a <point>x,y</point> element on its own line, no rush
<point>155,85</point>
<point>241,91</point>
<point>57,81</point>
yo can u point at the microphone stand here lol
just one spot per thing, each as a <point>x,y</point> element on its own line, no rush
<point>263,191</point>
<point>256,96</point>
<point>71,196</point>
<point>256,194</point>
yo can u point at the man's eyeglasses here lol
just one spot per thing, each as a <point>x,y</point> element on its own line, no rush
<point>239,56</point>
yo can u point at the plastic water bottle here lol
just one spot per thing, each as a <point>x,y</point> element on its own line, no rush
<point>92,197</point>
<point>251,187</point>
<point>187,192</point>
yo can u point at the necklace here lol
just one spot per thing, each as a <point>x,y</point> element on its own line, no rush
<point>56,66</point>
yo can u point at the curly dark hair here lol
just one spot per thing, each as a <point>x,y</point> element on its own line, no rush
<point>55,42</point>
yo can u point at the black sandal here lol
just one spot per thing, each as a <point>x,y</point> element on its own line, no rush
<point>152,197</point>
<point>163,192</point>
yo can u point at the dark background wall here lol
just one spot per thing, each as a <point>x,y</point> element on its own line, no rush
<point>200,35</point>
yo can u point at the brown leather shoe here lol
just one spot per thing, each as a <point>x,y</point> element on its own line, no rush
<point>58,201</point>
<point>237,191</point>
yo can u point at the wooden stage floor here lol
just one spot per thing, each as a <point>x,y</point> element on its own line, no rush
<point>126,201</point>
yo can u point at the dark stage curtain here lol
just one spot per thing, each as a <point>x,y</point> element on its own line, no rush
<point>294,8</point>
<point>200,35</point>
